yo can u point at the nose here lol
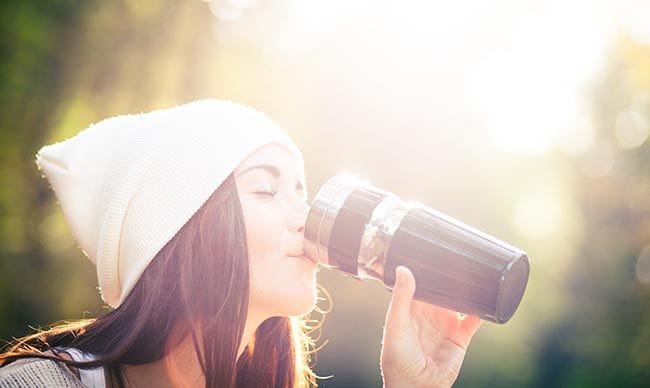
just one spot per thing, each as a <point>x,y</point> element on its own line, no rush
<point>299,213</point>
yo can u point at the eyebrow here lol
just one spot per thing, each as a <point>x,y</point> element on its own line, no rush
<point>273,170</point>
<point>267,167</point>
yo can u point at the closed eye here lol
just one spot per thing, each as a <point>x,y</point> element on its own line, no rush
<point>267,193</point>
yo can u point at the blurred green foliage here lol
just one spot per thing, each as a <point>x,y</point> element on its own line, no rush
<point>33,40</point>
<point>585,319</point>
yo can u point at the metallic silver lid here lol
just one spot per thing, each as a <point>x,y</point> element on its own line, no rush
<point>323,211</point>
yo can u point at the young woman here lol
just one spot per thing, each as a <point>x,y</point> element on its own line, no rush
<point>194,217</point>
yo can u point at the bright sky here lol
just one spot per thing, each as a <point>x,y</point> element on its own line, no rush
<point>523,62</point>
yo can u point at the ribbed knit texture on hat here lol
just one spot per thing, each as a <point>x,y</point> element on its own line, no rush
<point>128,184</point>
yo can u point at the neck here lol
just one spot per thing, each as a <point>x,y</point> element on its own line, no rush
<point>253,321</point>
<point>181,367</point>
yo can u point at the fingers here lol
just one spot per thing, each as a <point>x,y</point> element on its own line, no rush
<point>470,324</point>
<point>399,311</point>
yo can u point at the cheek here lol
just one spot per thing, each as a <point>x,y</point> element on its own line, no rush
<point>278,286</point>
<point>264,237</point>
<point>263,232</point>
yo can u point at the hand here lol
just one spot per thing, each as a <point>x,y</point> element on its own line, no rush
<point>423,345</point>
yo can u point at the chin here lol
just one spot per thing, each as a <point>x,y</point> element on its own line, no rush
<point>301,307</point>
<point>299,301</point>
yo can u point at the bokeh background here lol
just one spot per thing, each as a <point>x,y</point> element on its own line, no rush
<point>527,119</point>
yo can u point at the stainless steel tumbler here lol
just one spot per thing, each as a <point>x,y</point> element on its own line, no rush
<point>366,232</point>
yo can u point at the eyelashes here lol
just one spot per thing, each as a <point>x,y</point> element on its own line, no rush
<point>271,193</point>
<point>267,193</point>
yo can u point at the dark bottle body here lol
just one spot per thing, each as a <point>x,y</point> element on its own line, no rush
<point>367,232</point>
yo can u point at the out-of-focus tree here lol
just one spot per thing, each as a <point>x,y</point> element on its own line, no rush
<point>65,64</point>
<point>36,40</point>
<point>606,340</point>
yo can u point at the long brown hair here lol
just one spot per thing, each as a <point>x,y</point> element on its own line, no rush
<point>198,282</point>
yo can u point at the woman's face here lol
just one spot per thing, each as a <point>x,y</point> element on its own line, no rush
<point>273,196</point>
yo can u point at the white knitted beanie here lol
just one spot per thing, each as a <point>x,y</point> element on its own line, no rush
<point>128,184</point>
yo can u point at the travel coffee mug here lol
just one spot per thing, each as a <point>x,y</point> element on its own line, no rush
<point>366,232</point>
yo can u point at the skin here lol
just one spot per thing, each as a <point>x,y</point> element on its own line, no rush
<point>423,345</point>
<point>275,209</point>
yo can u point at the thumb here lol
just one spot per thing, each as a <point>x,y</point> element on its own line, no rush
<point>399,311</point>
<point>471,324</point>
